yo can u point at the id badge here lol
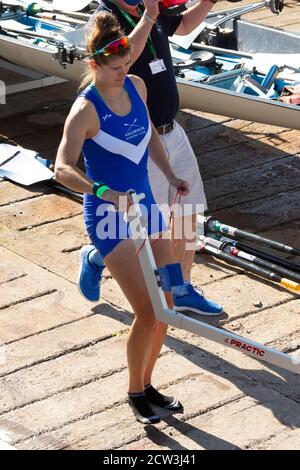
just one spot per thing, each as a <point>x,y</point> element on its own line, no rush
<point>157,66</point>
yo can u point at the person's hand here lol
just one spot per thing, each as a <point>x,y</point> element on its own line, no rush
<point>121,201</point>
<point>152,8</point>
<point>182,186</point>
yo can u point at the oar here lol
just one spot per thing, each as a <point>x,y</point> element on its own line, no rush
<point>218,227</point>
<point>287,283</point>
<point>276,7</point>
<point>228,247</point>
<point>169,7</point>
<point>34,8</point>
<point>64,37</point>
<point>57,17</point>
<point>25,168</point>
<point>221,50</point>
<point>260,254</point>
<point>69,192</point>
<point>24,32</point>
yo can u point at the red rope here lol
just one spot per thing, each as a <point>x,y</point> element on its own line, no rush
<point>161,234</point>
<point>172,214</point>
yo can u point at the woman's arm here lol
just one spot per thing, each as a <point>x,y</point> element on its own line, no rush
<point>82,123</point>
<point>194,16</point>
<point>76,130</point>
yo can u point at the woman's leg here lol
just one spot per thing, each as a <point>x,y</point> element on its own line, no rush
<point>146,336</point>
<point>162,251</point>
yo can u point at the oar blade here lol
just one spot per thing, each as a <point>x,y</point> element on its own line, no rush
<point>23,168</point>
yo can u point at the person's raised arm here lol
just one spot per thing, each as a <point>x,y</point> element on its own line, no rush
<point>140,33</point>
<point>194,16</point>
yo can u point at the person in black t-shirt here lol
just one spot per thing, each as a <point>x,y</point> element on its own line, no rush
<point>151,60</point>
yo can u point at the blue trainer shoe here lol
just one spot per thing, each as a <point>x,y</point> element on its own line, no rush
<point>194,301</point>
<point>89,275</point>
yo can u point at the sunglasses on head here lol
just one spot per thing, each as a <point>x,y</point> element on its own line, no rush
<point>113,47</point>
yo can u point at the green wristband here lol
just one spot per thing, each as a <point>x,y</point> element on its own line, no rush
<point>97,185</point>
<point>101,190</point>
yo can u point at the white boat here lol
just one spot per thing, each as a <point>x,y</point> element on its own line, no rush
<point>233,67</point>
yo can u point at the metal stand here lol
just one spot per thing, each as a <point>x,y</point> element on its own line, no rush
<point>165,315</point>
<point>38,80</point>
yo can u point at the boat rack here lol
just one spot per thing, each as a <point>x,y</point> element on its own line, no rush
<point>32,79</point>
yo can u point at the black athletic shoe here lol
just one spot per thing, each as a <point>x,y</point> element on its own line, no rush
<point>164,401</point>
<point>142,410</point>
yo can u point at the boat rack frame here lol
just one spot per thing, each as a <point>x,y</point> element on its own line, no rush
<point>36,79</point>
<point>164,314</point>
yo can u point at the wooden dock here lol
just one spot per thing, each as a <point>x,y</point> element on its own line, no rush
<point>62,359</point>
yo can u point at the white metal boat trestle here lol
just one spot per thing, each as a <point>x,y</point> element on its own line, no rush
<point>164,314</point>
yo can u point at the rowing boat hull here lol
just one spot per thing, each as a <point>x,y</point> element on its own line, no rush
<point>41,60</point>
<point>193,95</point>
<point>214,100</point>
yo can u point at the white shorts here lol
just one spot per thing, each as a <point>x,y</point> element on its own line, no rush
<point>184,164</point>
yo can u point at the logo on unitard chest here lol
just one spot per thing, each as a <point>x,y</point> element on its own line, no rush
<point>133,129</point>
<point>131,126</point>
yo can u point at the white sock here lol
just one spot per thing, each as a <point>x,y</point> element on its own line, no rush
<point>96,258</point>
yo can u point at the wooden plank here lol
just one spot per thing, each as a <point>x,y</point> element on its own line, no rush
<point>263,214</point>
<point>26,214</point>
<point>11,193</point>
<point>110,429</point>
<point>288,440</point>
<point>48,345</point>
<point>243,186</point>
<point>225,137</point>
<point>64,373</point>
<point>250,326</point>
<point>253,153</point>
<point>38,100</point>
<point>243,295</point>
<point>42,314</point>
<point>23,280</point>
<point>192,120</point>
<point>101,395</point>
<point>255,419</point>
<point>43,123</point>
<point>57,301</point>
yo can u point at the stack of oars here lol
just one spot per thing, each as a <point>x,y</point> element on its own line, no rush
<point>222,241</point>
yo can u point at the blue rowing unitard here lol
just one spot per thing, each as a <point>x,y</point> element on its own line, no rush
<point>118,155</point>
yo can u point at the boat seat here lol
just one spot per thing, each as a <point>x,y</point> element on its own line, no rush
<point>203,57</point>
<point>200,58</point>
<point>264,88</point>
<point>246,82</point>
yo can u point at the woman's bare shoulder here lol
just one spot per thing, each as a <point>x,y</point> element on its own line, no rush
<point>82,113</point>
<point>140,85</point>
